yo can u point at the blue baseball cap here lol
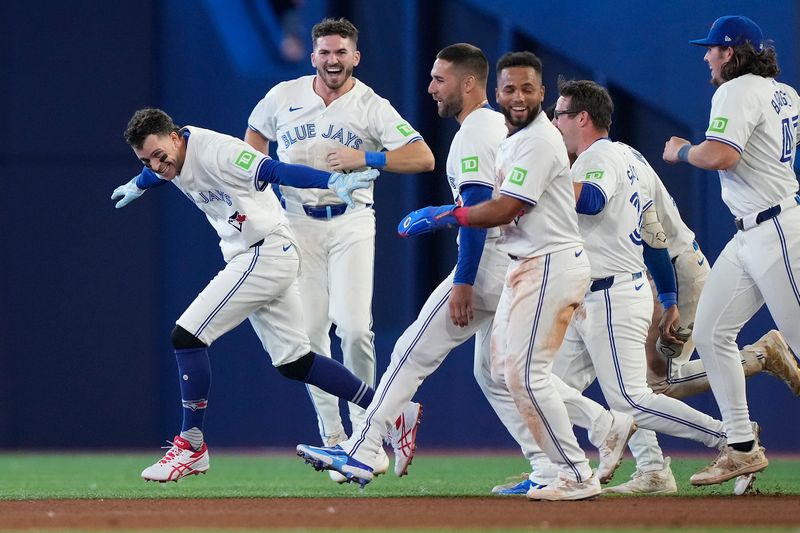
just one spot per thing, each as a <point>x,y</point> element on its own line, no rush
<point>733,30</point>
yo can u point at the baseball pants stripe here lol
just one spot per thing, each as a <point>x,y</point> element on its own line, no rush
<point>384,387</point>
<point>624,392</point>
<point>528,358</point>
<point>786,260</point>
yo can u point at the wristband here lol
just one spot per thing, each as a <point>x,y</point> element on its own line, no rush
<point>683,153</point>
<point>668,299</point>
<point>375,159</point>
<point>462,216</point>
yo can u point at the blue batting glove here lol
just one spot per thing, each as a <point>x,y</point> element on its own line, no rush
<point>426,220</point>
<point>128,192</point>
<point>344,184</point>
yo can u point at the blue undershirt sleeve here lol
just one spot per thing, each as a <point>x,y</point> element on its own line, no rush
<point>591,201</point>
<point>660,267</point>
<point>471,240</point>
<point>149,179</point>
<point>300,176</point>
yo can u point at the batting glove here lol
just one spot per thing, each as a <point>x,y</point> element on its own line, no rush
<point>344,184</point>
<point>426,220</point>
<point>128,192</point>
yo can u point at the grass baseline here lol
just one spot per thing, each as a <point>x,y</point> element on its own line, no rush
<point>29,476</point>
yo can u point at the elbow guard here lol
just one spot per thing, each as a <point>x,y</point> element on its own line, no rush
<point>652,230</point>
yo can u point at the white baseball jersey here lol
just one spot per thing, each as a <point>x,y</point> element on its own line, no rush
<point>533,166</point>
<point>759,118</point>
<point>305,129</point>
<point>612,236</point>
<point>679,237</point>
<point>473,151</point>
<point>218,175</point>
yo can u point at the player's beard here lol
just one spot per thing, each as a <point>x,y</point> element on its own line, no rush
<point>518,123</point>
<point>342,77</point>
<point>452,107</point>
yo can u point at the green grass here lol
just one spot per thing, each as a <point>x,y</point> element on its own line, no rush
<point>39,476</point>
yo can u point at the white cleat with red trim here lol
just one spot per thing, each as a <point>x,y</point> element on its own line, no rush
<point>403,437</point>
<point>180,461</point>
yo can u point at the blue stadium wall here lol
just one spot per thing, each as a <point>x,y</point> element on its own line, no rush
<point>90,293</point>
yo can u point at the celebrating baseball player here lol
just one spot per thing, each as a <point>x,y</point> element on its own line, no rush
<point>751,140</point>
<point>335,122</point>
<point>224,177</point>
<point>606,337</point>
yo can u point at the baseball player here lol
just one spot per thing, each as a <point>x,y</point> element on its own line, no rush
<point>751,140</point>
<point>224,177</point>
<point>333,121</point>
<point>606,337</point>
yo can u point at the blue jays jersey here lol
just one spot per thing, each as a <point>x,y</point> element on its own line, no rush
<point>306,130</point>
<point>218,176</point>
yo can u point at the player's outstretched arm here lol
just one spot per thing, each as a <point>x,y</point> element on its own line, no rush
<point>708,155</point>
<point>135,188</point>
<point>411,158</point>
<point>303,177</point>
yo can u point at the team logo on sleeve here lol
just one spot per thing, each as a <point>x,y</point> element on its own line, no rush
<point>469,164</point>
<point>718,124</point>
<point>237,219</point>
<point>404,129</point>
<point>518,176</point>
<point>594,175</point>
<point>245,160</point>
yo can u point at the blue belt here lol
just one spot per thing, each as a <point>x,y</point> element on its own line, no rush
<point>771,212</point>
<point>605,283</point>
<point>323,211</point>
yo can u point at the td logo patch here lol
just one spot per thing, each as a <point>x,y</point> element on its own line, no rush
<point>469,164</point>
<point>718,124</point>
<point>517,176</point>
<point>245,160</point>
<point>594,175</point>
<point>404,129</point>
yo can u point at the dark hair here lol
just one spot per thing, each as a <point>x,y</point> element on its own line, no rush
<point>147,122</point>
<point>591,97</point>
<point>330,26</point>
<point>746,60</point>
<point>468,58</point>
<point>519,59</point>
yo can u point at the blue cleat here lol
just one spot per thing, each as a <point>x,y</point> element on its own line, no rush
<point>335,458</point>
<point>519,489</point>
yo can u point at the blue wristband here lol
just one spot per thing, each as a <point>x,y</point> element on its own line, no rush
<point>668,299</point>
<point>683,153</point>
<point>375,159</point>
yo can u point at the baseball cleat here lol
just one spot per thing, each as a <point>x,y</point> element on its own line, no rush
<point>730,464</point>
<point>613,447</point>
<point>743,484</point>
<point>656,482</point>
<point>403,437</point>
<point>330,442</point>
<point>778,359</point>
<point>181,460</point>
<point>565,489</point>
<point>517,487</point>
<point>336,458</point>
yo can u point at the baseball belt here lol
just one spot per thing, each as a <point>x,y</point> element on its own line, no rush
<point>606,283</point>
<point>751,221</point>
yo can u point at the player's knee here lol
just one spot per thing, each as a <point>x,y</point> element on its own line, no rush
<point>183,340</point>
<point>298,369</point>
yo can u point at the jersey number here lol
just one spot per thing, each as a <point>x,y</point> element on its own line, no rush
<point>789,125</point>
<point>636,235</point>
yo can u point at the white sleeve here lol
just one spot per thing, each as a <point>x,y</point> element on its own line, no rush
<point>263,117</point>
<point>598,170</point>
<point>733,118</point>
<point>389,127</point>
<point>236,160</point>
<point>531,172</point>
<point>474,159</point>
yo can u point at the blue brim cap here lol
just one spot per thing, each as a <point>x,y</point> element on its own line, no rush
<point>733,30</point>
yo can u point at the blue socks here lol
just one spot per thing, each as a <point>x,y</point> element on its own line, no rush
<point>334,378</point>
<point>194,374</point>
